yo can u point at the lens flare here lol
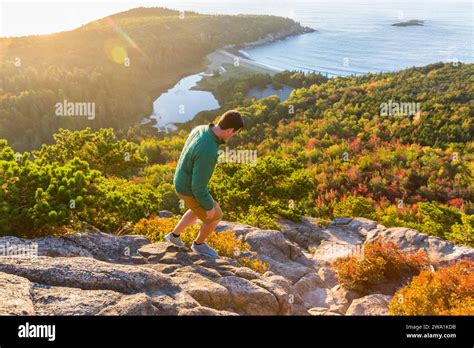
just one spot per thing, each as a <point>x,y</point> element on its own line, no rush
<point>124,35</point>
<point>119,54</point>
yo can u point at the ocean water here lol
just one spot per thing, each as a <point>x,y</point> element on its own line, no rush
<point>353,37</point>
<point>357,36</point>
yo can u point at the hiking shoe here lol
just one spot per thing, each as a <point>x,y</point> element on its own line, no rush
<point>175,240</point>
<point>204,250</point>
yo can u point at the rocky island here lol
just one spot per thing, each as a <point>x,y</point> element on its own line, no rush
<point>409,23</point>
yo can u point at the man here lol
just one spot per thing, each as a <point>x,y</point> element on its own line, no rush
<point>193,172</point>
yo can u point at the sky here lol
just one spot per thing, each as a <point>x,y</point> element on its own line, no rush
<point>33,17</point>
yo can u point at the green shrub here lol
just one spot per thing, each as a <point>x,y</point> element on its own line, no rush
<point>38,197</point>
<point>162,151</point>
<point>432,218</point>
<point>354,206</point>
<point>261,193</point>
<point>34,194</point>
<point>101,150</point>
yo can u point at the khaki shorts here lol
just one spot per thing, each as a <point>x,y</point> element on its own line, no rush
<point>192,203</point>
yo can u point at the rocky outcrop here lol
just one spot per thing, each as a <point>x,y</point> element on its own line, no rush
<point>69,277</point>
<point>86,273</point>
<point>345,237</point>
<point>15,295</point>
<point>439,250</point>
<point>93,273</point>
<point>375,304</point>
<point>411,22</point>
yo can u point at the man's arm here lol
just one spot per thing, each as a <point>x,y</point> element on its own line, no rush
<point>203,168</point>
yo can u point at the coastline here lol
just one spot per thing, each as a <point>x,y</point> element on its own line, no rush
<point>230,54</point>
<point>219,58</point>
<point>226,57</point>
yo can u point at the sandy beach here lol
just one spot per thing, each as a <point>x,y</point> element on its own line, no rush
<point>220,57</point>
<point>230,54</point>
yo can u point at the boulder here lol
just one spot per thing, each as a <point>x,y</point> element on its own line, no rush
<point>329,251</point>
<point>57,300</point>
<point>318,297</point>
<point>246,273</point>
<point>309,232</point>
<point>375,304</point>
<point>218,283</point>
<point>342,238</point>
<point>246,297</point>
<point>137,304</point>
<point>440,251</point>
<point>157,250</point>
<point>44,246</point>
<point>297,305</point>
<point>316,292</point>
<point>362,226</point>
<point>327,277</point>
<point>342,298</point>
<point>305,233</point>
<point>87,273</point>
<point>104,246</point>
<point>234,294</point>
<point>284,257</point>
<point>308,282</point>
<point>291,270</point>
<point>204,290</point>
<point>175,304</point>
<point>353,232</point>
<point>88,243</point>
<point>15,295</point>
<point>282,297</point>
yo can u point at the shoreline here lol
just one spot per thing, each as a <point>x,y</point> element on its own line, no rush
<point>229,54</point>
<point>219,58</point>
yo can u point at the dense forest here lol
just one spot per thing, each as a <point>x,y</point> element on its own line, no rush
<point>120,63</point>
<point>401,169</point>
<point>327,151</point>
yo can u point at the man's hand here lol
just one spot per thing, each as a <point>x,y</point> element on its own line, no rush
<point>210,213</point>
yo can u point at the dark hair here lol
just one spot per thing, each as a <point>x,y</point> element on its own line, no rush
<point>231,119</point>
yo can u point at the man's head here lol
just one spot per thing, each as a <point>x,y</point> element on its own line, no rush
<point>229,124</point>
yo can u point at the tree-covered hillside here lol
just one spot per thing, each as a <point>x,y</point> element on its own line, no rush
<point>400,168</point>
<point>121,63</point>
<point>330,150</point>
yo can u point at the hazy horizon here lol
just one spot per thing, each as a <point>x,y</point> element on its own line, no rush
<point>39,17</point>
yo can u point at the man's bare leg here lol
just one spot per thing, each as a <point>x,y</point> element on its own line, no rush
<point>186,220</point>
<point>205,231</point>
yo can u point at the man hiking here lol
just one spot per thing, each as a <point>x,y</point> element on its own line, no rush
<point>193,172</point>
